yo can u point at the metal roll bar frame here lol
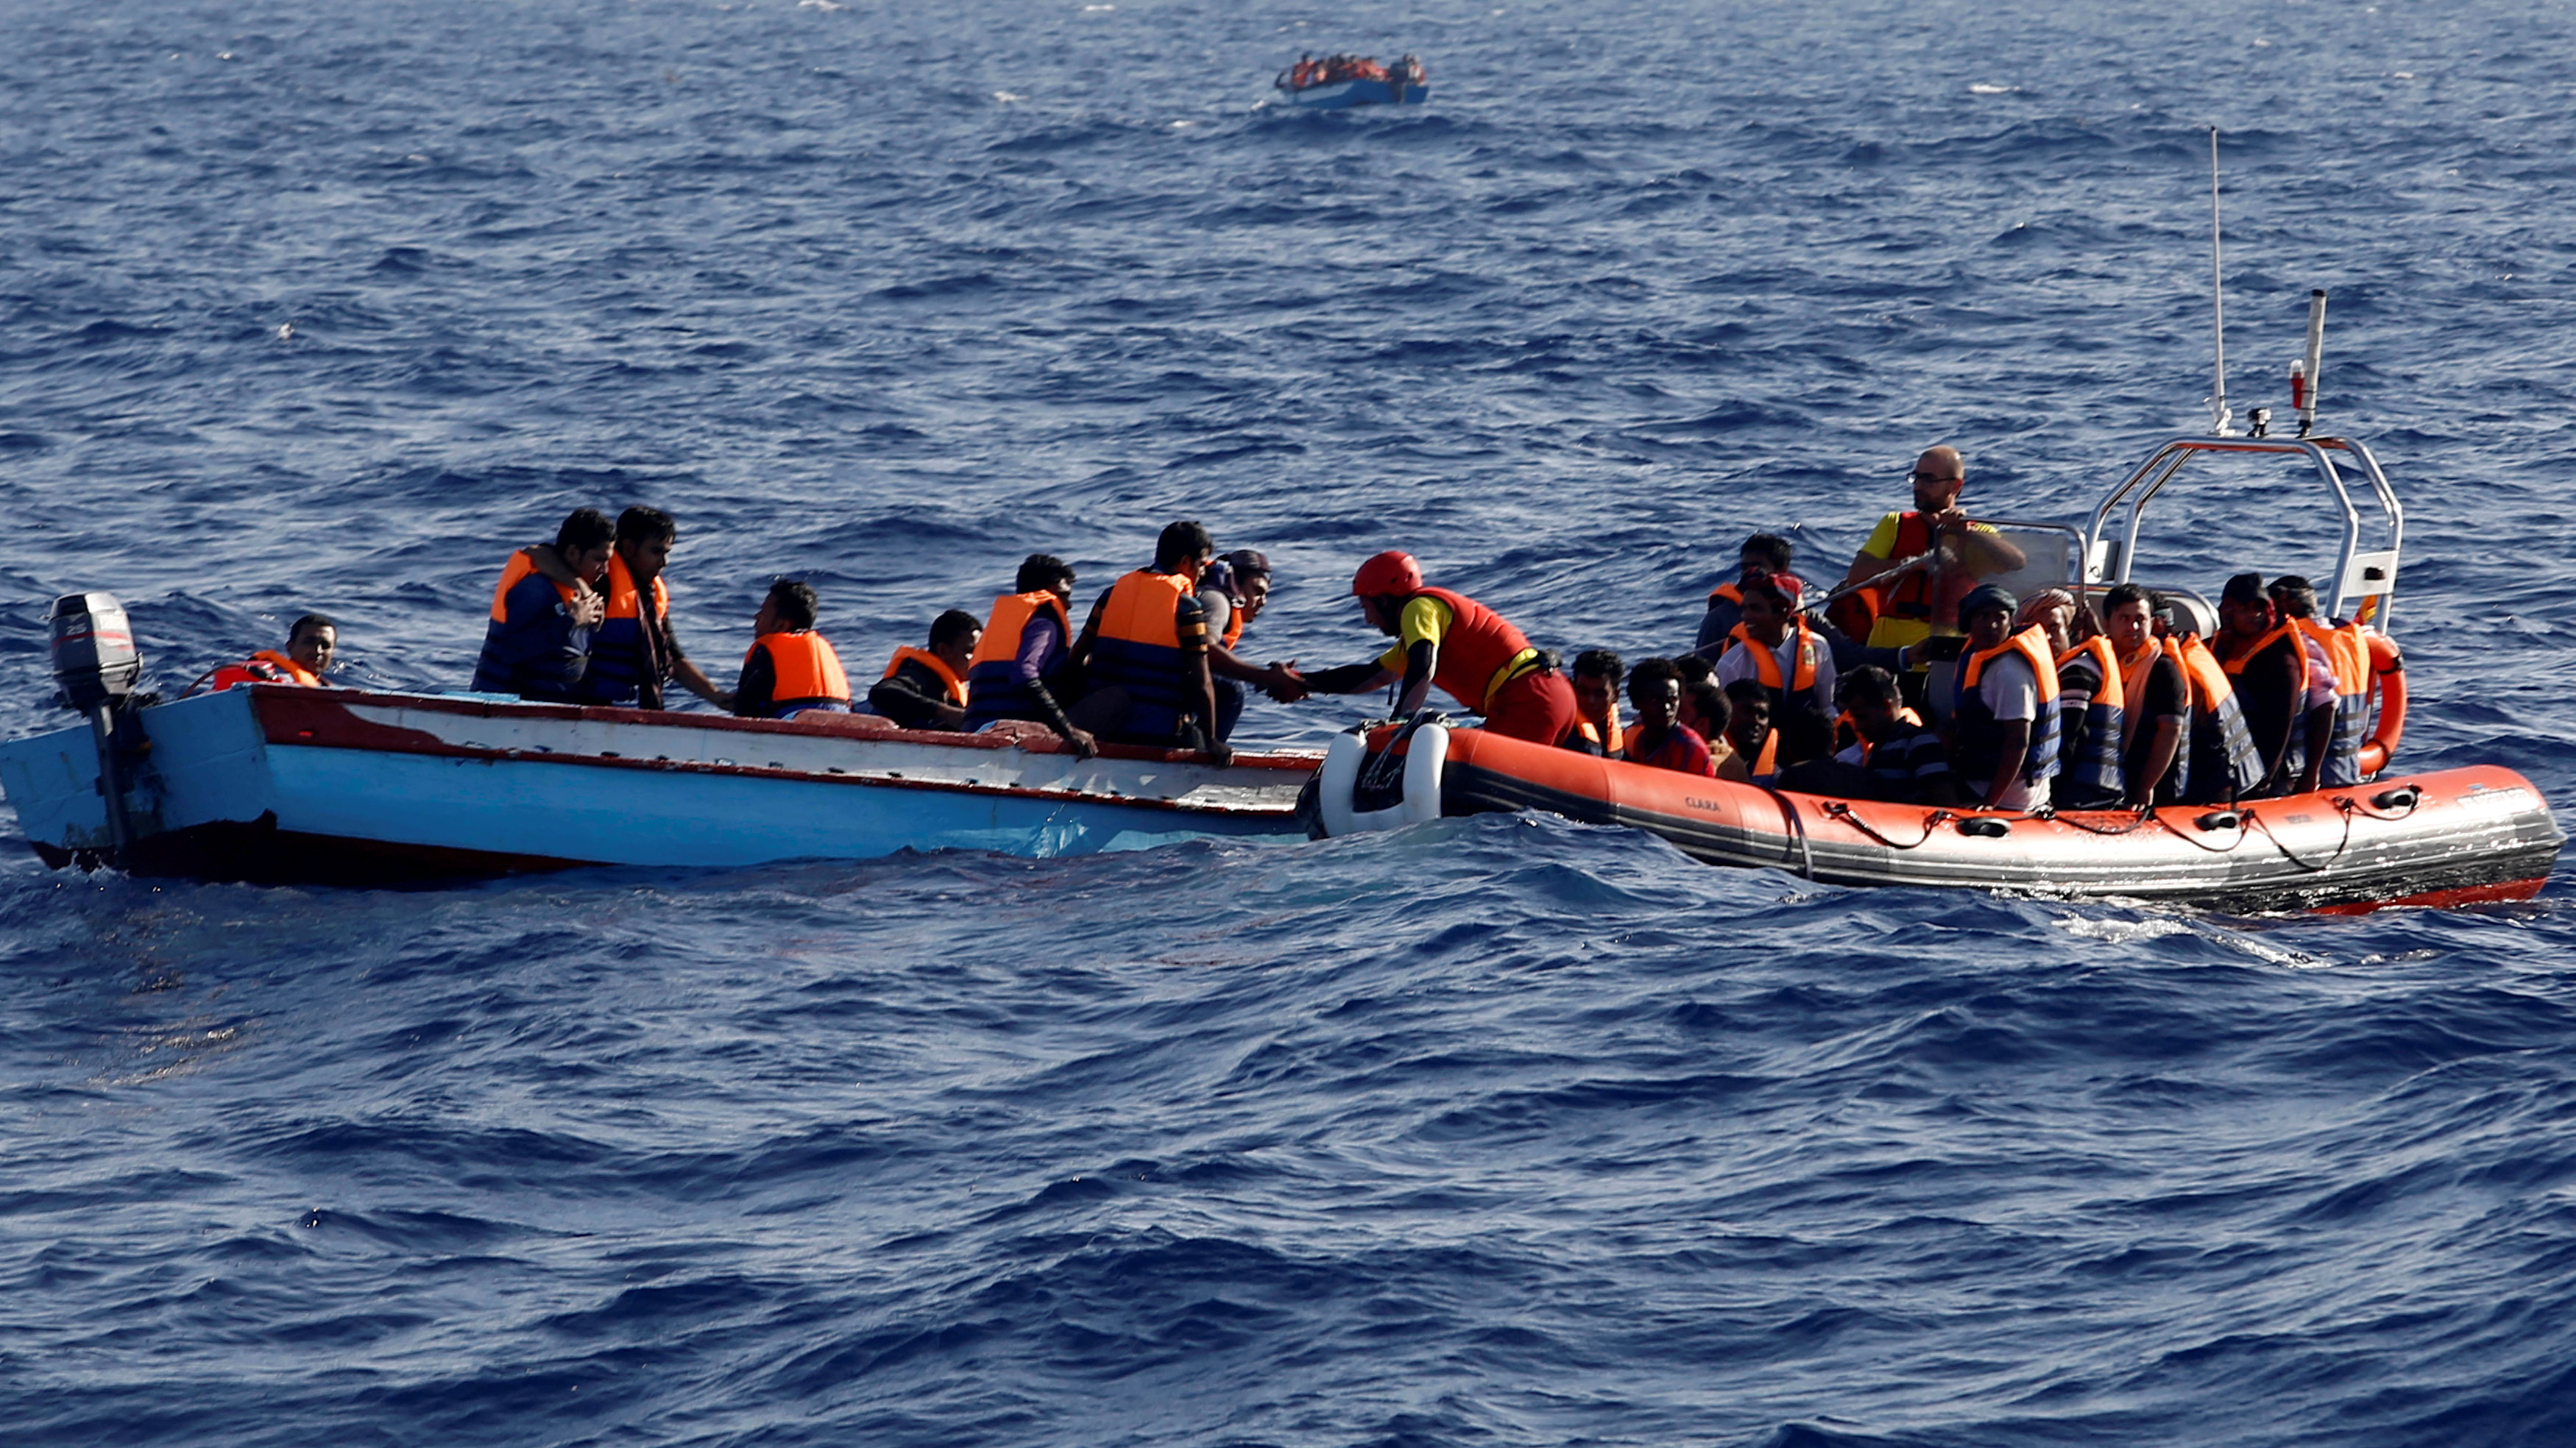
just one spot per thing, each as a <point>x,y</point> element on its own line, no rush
<point>2358,575</point>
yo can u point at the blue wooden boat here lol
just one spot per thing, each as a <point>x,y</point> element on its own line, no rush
<point>274,783</point>
<point>1341,95</point>
<point>1402,85</point>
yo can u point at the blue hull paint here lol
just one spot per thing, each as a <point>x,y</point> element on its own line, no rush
<point>674,819</point>
<point>1342,95</point>
<point>473,787</point>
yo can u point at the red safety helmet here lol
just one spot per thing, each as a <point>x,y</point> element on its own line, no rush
<point>1388,572</point>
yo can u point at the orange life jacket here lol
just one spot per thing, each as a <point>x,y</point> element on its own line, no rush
<point>935,664</point>
<point>623,599</point>
<point>2239,658</point>
<point>513,573</point>
<point>1847,729</point>
<point>1008,620</point>
<point>1609,734</point>
<point>1138,646</point>
<point>1732,593</point>
<point>265,667</point>
<point>1976,724</point>
<point>2348,650</point>
<point>1766,662</point>
<point>1766,767</point>
<point>626,652</point>
<point>2091,757</point>
<point>2221,759</point>
<point>1479,652</point>
<point>991,676</point>
<point>808,669</point>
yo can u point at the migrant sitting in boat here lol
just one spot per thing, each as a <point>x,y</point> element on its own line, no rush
<point>1597,728</point>
<point>1661,740</point>
<point>1020,665</point>
<point>926,688</point>
<point>789,669</point>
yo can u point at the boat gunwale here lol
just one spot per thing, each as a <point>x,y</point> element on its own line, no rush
<point>284,710</point>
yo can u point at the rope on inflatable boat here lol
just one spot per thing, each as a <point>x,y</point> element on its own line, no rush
<point>1841,811</point>
<point>1798,824</point>
<point>2342,807</point>
<point>2158,817</point>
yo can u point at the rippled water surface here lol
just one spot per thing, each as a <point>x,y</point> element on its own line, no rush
<point>1495,1131</point>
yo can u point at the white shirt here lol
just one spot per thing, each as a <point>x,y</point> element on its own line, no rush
<point>1737,663</point>
<point>2010,691</point>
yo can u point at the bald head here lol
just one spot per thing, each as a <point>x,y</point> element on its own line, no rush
<point>1939,477</point>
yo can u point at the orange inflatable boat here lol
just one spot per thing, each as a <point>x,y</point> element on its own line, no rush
<point>2451,837</point>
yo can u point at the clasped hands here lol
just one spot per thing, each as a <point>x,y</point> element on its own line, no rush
<point>1283,683</point>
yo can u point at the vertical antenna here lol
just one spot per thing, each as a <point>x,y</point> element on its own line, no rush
<point>2219,414</point>
<point>2316,360</point>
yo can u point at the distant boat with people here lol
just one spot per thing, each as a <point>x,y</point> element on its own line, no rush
<point>1338,82</point>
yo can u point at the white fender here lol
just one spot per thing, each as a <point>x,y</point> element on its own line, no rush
<point>1424,760</point>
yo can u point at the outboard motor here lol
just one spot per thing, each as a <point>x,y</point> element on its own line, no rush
<point>95,659</point>
<point>97,664</point>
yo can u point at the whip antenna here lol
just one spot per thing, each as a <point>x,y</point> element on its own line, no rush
<point>2303,375</point>
<point>2219,414</point>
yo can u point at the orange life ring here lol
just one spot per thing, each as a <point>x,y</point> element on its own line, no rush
<point>2388,669</point>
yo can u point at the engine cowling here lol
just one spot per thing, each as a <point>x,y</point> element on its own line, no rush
<point>95,659</point>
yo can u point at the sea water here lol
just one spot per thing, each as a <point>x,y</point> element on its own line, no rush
<point>1495,1131</point>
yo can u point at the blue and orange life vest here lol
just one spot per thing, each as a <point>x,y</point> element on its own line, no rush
<point>1480,651</point>
<point>994,689</point>
<point>1979,747</point>
<point>2218,760</point>
<point>806,670</point>
<point>2348,650</point>
<point>265,667</point>
<point>935,664</point>
<point>2092,753</point>
<point>513,573</point>
<point>2286,634</point>
<point>1139,648</point>
<point>537,652</point>
<point>620,654</point>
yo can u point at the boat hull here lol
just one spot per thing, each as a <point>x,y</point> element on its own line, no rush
<point>2451,837</point>
<point>1342,95</point>
<point>273,783</point>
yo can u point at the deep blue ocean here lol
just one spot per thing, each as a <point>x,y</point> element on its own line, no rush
<point>1498,1131</point>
